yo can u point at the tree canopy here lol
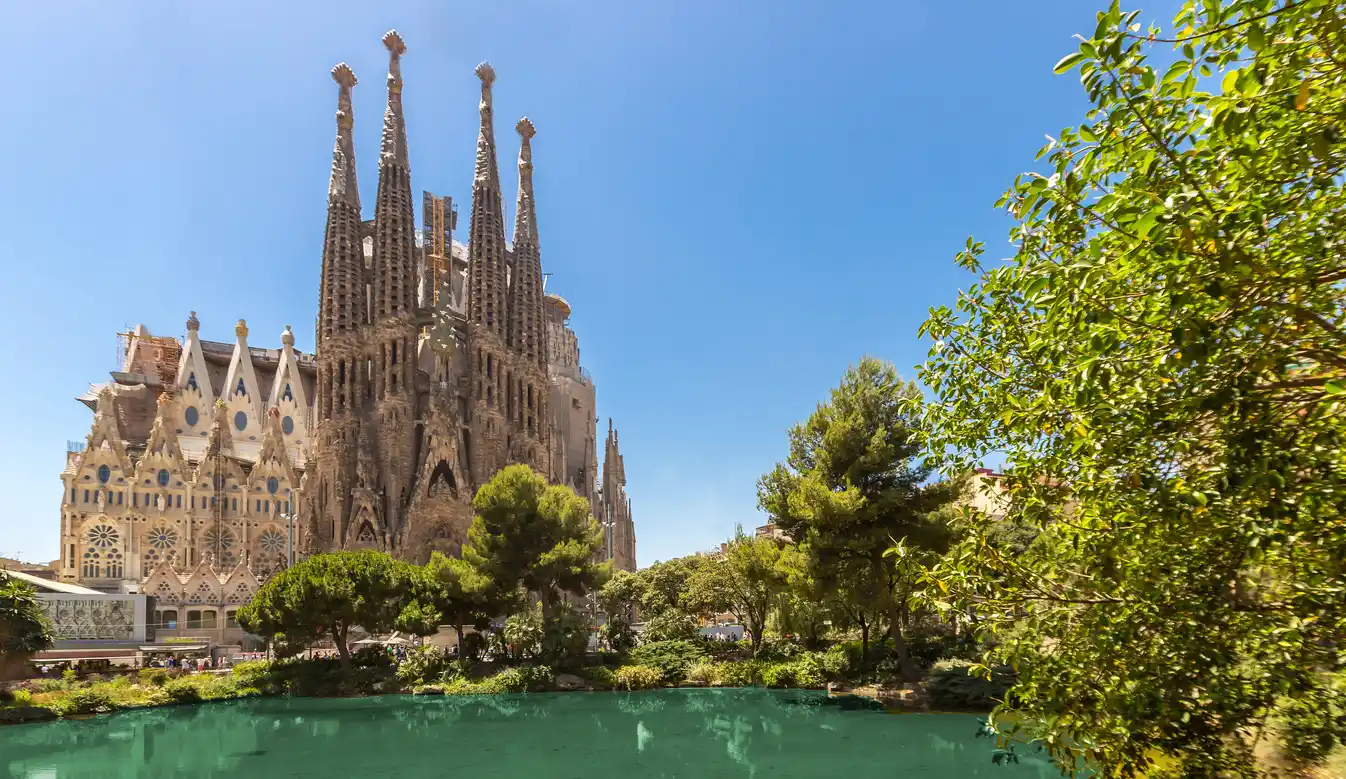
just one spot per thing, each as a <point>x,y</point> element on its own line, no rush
<point>328,594</point>
<point>852,483</point>
<point>534,535</point>
<point>1160,365</point>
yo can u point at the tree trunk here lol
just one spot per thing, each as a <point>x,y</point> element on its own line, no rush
<point>864,639</point>
<point>909,670</point>
<point>339,638</point>
<point>459,630</point>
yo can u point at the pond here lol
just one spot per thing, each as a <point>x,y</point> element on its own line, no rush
<point>667,733</point>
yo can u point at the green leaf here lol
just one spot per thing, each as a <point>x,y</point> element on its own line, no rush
<point>1067,62</point>
<point>1335,387</point>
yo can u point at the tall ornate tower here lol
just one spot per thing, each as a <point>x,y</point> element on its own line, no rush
<point>392,337</point>
<point>487,295</point>
<point>530,390</point>
<point>341,319</point>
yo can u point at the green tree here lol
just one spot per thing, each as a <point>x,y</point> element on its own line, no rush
<point>328,594</point>
<point>852,484</point>
<point>1160,363</point>
<point>805,606</point>
<point>536,535</point>
<point>463,594</point>
<point>618,599</point>
<point>24,629</point>
<point>670,606</point>
<point>744,580</point>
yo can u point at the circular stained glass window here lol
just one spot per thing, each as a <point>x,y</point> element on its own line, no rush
<point>287,424</point>
<point>192,416</point>
<point>163,477</point>
<point>272,541</point>
<point>272,484</point>
<point>240,420</point>
<point>104,473</point>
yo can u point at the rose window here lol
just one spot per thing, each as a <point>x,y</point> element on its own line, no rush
<point>220,543</point>
<point>158,543</point>
<point>104,536</point>
<point>272,541</point>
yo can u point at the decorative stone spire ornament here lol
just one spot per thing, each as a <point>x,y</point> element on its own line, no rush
<point>343,186</point>
<point>241,329</point>
<point>287,337</point>
<point>193,324</point>
<point>394,125</point>
<point>525,215</point>
<point>487,171</point>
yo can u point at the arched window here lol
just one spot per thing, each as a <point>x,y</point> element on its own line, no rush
<point>240,389</point>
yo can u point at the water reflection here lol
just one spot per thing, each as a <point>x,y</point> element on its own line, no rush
<point>670,733</point>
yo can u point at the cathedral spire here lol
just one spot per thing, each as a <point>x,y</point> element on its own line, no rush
<point>394,226</point>
<point>487,278</point>
<point>527,328</point>
<point>341,301</point>
<point>487,172</point>
<point>525,216</point>
<point>343,187</point>
<point>394,125</point>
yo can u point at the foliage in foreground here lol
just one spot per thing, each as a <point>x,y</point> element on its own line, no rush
<point>23,627</point>
<point>1160,365</point>
<point>328,594</point>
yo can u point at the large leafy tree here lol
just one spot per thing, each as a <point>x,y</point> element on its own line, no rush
<point>745,580</point>
<point>1160,363</point>
<point>329,594</point>
<point>854,482</point>
<point>24,629</point>
<point>670,606</point>
<point>463,594</point>
<point>535,535</point>
<point>618,598</point>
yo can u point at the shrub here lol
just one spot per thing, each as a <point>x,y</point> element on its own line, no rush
<point>950,686</point>
<point>85,701</point>
<point>565,636</point>
<point>371,657</point>
<point>809,672</point>
<point>638,677</point>
<point>255,674</point>
<point>524,678</point>
<point>743,673</point>
<point>182,691</point>
<point>672,658</point>
<point>153,676</point>
<point>705,671</point>
<point>423,665</point>
<point>779,649</point>
<point>778,675</point>
<point>599,677</point>
<point>836,664</point>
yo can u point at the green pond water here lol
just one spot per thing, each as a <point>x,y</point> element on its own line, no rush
<point>669,733</point>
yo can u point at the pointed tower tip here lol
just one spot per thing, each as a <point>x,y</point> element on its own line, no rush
<point>526,129</point>
<point>343,75</point>
<point>287,337</point>
<point>393,40</point>
<point>241,329</point>
<point>486,73</point>
<point>192,322</point>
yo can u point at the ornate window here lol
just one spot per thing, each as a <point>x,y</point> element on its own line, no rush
<point>220,542</point>
<point>104,473</point>
<point>192,415</point>
<point>240,390</point>
<point>287,394</point>
<point>272,541</point>
<point>191,382</point>
<point>366,535</point>
<point>240,419</point>
<point>159,543</point>
<point>287,424</point>
<point>163,476</point>
<point>272,484</point>
<point>102,557</point>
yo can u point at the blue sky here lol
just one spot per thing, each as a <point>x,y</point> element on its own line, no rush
<point>738,198</point>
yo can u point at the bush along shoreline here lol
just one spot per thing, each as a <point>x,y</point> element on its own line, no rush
<point>430,671</point>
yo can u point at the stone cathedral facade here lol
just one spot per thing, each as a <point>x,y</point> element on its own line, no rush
<point>437,363</point>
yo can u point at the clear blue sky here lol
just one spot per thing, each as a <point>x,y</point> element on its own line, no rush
<point>738,198</point>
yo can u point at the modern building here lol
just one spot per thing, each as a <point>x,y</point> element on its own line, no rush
<point>209,464</point>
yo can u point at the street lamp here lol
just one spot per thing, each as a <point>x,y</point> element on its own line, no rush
<point>289,540</point>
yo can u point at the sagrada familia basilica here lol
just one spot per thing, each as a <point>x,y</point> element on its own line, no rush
<point>210,465</point>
